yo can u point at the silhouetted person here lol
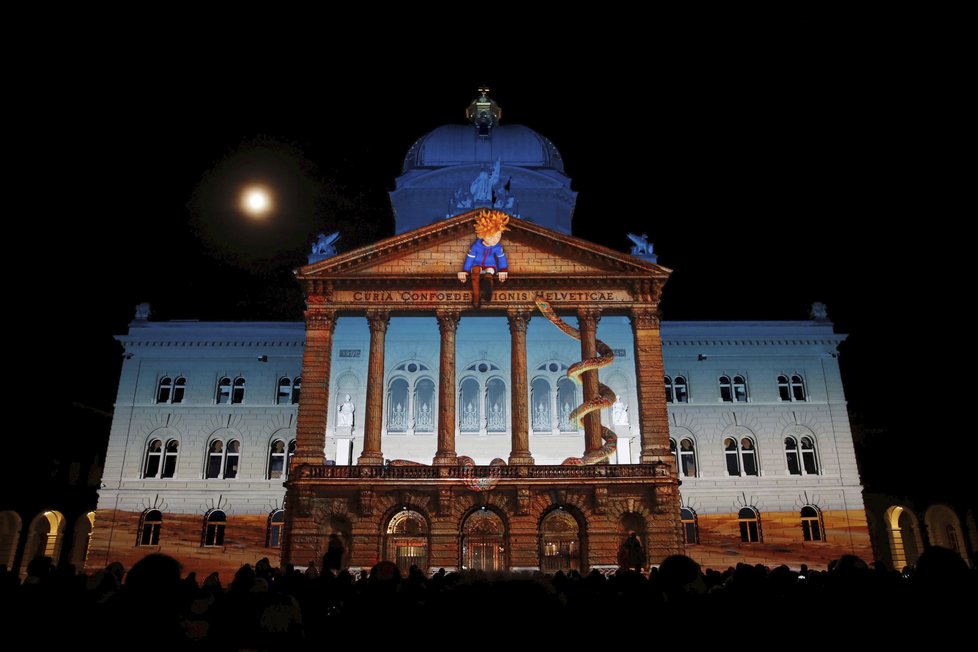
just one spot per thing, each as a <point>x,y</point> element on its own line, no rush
<point>334,553</point>
<point>633,555</point>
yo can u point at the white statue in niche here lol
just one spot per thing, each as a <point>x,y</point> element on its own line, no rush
<point>345,412</point>
<point>619,412</point>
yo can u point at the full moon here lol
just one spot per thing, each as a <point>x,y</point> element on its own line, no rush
<point>256,201</point>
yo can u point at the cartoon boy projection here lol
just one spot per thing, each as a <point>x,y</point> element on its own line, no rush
<point>486,257</point>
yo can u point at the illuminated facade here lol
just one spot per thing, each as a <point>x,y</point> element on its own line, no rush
<point>733,437</point>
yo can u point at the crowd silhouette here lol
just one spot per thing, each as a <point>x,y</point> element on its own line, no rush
<point>152,606</point>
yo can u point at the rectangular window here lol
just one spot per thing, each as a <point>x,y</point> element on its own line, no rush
<point>748,532</point>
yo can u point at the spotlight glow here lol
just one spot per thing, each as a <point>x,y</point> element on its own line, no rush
<point>256,201</point>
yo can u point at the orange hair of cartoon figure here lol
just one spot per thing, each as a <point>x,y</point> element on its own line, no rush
<point>490,222</point>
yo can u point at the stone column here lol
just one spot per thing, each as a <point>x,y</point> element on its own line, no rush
<point>518,319</point>
<point>314,399</point>
<point>447,325</point>
<point>653,417</point>
<point>587,319</point>
<point>373,422</point>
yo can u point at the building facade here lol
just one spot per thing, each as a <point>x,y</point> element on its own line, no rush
<point>236,441</point>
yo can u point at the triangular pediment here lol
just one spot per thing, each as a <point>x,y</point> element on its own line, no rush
<point>440,249</point>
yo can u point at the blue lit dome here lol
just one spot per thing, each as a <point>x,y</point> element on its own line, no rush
<point>452,145</point>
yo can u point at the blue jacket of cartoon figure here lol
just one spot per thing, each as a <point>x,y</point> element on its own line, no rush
<point>486,256</point>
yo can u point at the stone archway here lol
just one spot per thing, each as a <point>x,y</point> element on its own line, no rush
<point>483,543</point>
<point>561,543</point>
<point>407,540</point>
<point>904,536</point>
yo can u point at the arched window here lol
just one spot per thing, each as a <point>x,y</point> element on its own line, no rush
<point>154,459</point>
<point>179,389</point>
<point>680,388</point>
<point>740,456</point>
<point>424,405</point>
<point>296,389</point>
<point>811,523</point>
<point>687,457</point>
<point>496,419</point>
<point>288,459</point>
<point>170,454</point>
<point>797,388</point>
<point>691,532</point>
<point>223,391</point>
<point>670,392</point>
<point>748,456</point>
<point>566,402</point>
<point>215,459</point>
<point>284,391</point>
<point>237,395</point>
<point>791,389</point>
<point>164,390</point>
<point>231,459</point>
<point>276,527</point>
<point>726,389</point>
<point>791,456</point>
<point>540,405</point>
<point>214,523</point>
<point>739,389</point>
<point>469,406</point>
<point>171,391</point>
<point>397,405</point>
<point>750,525</point>
<point>808,456</point>
<point>276,460</point>
<point>675,453</point>
<point>731,454</point>
<point>149,528</point>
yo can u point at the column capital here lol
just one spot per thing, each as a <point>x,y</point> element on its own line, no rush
<point>448,320</point>
<point>378,320</point>
<point>320,320</point>
<point>518,319</point>
<point>588,318</point>
<point>644,317</point>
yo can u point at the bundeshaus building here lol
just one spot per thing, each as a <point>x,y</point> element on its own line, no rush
<point>482,390</point>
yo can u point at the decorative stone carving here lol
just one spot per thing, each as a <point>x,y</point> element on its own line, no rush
<point>324,247</point>
<point>444,501</point>
<point>378,320</point>
<point>600,500</point>
<point>366,502</point>
<point>523,501</point>
<point>320,320</point>
<point>644,318</point>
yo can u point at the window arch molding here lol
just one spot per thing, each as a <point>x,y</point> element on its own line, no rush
<point>161,464</point>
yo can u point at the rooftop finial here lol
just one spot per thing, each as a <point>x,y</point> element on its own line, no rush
<point>483,112</point>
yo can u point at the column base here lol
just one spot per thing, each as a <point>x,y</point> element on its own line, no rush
<point>445,459</point>
<point>521,459</point>
<point>371,459</point>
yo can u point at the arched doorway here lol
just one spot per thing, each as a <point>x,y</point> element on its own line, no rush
<point>342,528</point>
<point>902,526</point>
<point>484,541</point>
<point>944,529</point>
<point>560,542</point>
<point>44,537</point>
<point>9,537</point>
<point>407,540</point>
<point>82,539</point>
<point>628,523</point>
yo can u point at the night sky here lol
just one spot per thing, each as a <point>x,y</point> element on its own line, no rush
<point>765,182</point>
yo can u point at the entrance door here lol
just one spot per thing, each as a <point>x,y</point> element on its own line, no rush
<point>483,542</point>
<point>560,542</point>
<point>407,541</point>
